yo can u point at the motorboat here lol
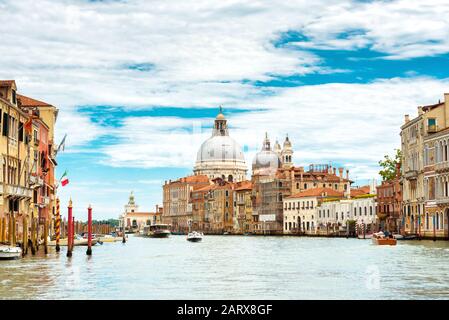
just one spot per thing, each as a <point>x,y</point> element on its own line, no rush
<point>78,241</point>
<point>380,238</point>
<point>195,236</point>
<point>10,253</point>
<point>157,231</point>
<point>366,236</point>
<point>406,237</point>
<point>110,238</point>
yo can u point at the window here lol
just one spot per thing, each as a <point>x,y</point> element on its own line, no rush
<point>305,185</point>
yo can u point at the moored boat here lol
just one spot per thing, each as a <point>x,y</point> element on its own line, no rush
<point>78,241</point>
<point>10,253</point>
<point>366,236</point>
<point>194,236</point>
<point>379,238</point>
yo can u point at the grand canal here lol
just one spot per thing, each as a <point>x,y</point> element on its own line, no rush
<point>234,267</point>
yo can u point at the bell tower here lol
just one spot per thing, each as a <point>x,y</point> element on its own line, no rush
<point>287,154</point>
<point>220,126</point>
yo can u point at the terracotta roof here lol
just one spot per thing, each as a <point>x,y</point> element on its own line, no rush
<point>6,83</point>
<point>318,192</point>
<point>206,188</point>
<point>30,102</point>
<point>360,191</point>
<point>244,185</point>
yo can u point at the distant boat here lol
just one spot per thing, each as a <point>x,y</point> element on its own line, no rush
<point>157,231</point>
<point>10,253</point>
<point>406,237</point>
<point>78,241</point>
<point>367,236</point>
<point>194,236</point>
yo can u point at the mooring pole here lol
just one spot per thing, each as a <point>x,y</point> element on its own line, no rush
<point>58,226</point>
<point>46,235</point>
<point>123,231</point>
<point>70,227</point>
<point>89,231</point>
<point>24,235</point>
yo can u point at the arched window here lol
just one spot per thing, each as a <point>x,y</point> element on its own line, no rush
<point>230,178</point>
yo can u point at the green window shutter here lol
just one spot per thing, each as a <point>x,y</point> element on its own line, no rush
<point>5,124</point>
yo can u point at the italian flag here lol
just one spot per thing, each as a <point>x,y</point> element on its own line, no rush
<point>64,179</point>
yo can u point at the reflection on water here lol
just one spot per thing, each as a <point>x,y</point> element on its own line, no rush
<point>234,267</point>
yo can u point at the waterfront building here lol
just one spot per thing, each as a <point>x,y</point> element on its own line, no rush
<point>300,210</point>
<point>243,207</point>
<point>220,156</point>
<point>335,214</point>
<point>389,204</point>
<point>270,186</point>
<point>219,207</point>
<point>430,120</point>
<point>135,220</point>
<point>177,200</point>
<point>28,183</point>
<point>436,179</point>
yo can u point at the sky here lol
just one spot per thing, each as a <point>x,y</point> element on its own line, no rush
<point>138,83</point>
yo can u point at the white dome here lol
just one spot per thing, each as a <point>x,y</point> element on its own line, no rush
<point>266,162</point>
<point>220,156</point>
<point>220,149</point>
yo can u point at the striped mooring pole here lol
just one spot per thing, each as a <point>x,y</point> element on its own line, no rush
<point>58,226</point>
<point>70,229</point>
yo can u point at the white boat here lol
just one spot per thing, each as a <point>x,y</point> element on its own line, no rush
<point>10,253</point>
<point>367,236</point>
<point>157,231</point>
<point>194,236</point>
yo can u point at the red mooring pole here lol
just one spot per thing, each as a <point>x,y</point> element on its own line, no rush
<point>70,227</point>
<point>89,231</point>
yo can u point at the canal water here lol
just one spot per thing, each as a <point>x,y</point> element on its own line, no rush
<point>234,267</point>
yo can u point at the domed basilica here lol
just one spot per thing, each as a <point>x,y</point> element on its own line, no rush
<point>220,156</point>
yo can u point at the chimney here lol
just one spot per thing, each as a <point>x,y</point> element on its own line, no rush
<point>335,171</point>
<point>420,112</point>
<point>407,118</point>
<point>347,174</point>
<point>340,171</point>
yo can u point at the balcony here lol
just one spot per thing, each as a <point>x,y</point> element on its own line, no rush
<point>442,166</point>
<point>17,191</point>
<point>241,202</point>
<point>442,201</point>
<point>46,200</point>
<point>411,174</point>
<point>432,128</point>
<point>36,181</point>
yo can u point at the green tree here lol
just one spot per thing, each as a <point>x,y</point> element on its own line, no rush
<point>388,165</point>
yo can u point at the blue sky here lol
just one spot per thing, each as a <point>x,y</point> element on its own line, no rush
<point>138,83</point>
